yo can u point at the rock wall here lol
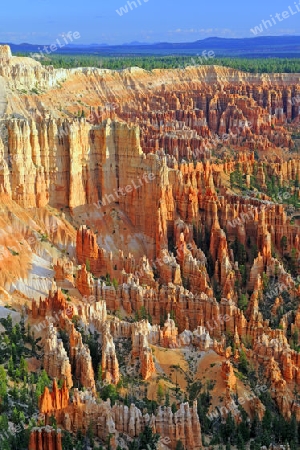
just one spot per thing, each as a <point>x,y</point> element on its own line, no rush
<point>45,438</point>
<point>106,419</point>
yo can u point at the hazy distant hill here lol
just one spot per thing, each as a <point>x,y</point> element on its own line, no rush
<point>264,46</point>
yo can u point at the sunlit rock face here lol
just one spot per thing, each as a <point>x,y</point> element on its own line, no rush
<point>45,438</point>
<point>112,420</point>
<point>5,53</point>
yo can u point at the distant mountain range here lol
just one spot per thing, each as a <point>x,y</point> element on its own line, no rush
<point>262,46</point>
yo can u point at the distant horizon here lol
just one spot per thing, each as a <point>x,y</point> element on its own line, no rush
<point>147,21</point>
<point>91,44</point>
<point>162,41</point>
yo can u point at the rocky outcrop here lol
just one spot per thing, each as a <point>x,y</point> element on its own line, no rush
<point>84,281</point>
<point>106,419</point>
<point>55,401</point>
<point>228,375</point>
<point>56,361</point>
<point>80,357</point>
<point>53,306</point>
<point>45,438</point>
<point>110,365</point>
<point>143,334</point>
<point>169,334</point>
<point>63,270</point>
<point>147,362</point>
<point>5,54</point>
<point>93,312</point>
<point>182,425</point>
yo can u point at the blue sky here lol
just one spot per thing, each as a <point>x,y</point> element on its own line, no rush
<point>43,21</point>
